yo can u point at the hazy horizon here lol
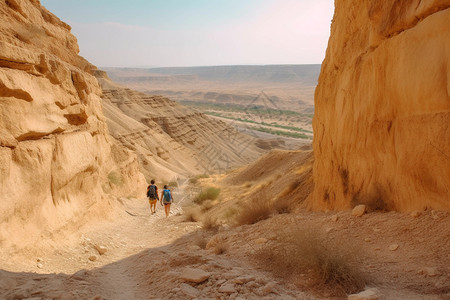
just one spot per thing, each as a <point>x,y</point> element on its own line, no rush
<point>177,33</point>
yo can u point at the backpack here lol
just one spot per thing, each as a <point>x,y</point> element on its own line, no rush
<point>151,192</point>
<point>166,196</point>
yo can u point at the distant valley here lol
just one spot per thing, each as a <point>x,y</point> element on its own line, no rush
<point>268,99</point>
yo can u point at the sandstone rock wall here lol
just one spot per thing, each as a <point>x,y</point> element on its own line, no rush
<point>57,159</point>
<point>382,107</point>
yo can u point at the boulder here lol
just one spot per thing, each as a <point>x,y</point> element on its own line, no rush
<point>369,294</point>
<point>359,210</point>
<point>194,275</point>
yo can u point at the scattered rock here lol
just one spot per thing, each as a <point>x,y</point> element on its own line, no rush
<point>261,241</point>
<point>93,258</point>
<point>39,265</point>
<point>231,274</point>
<point>189,290</point>
<point>173,274</point>
<point>194,275</point>
<point>269,288</point>
<point>393,247</point>
<point>227,288</point>
<point>376,230</point>
<point>415,214</point>
<point>327,230</point>
<point>244,279</point>
<point>39,259</point>
<point>100,249</point>
<point>367,239</point>
<point>359,210</point>
<point>369,294</point>
<point>334,218</point>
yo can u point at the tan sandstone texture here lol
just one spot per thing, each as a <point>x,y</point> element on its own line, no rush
<point>382,107</point>
<point>57,160</point>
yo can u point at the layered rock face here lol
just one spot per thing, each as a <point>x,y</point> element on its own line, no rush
<point>57,159</point>
<point>172,140</point>
<point>382,107</point>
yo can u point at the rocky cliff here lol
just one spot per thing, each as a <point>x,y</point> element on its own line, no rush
<point>382,107</point>
<point>57,160</point>
<point>172,140</point>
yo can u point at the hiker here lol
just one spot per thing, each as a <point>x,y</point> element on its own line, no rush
<point>152,194</point>
<point>167,199</point>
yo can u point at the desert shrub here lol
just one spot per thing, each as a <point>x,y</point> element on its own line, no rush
<point>115,178</point>
<point>305,251</point>
<point>210,193</point>
<point>282,206</point>
<point>201,242</point>
<point>220,248</point>
<point>173,184</point>
<point>230,213</point>
<point>206,205</point>
<point>254,211</point>
<point>210,223</point>
<point>192,214</point>
<point>195,179</point>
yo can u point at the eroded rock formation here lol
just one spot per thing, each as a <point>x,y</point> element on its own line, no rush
<point>382,107</point>
<point>57,160</point>
<point>170,139</point>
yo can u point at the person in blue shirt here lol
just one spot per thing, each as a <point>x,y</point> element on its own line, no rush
<point>166,199</point>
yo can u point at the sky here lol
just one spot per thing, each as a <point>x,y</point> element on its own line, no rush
<point>165,33</point>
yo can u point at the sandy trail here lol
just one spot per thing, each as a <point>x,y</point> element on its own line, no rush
<point>134,230</point>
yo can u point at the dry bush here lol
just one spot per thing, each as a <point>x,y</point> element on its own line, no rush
<point>210,223</point>
<point>207,205</point>
<point>230,214</point>
<point>192,214</point>
<point>220,248</point>
<point>282,206</point>
<point>254,211</point>
<point>306,251</point>
<point>201,242</point>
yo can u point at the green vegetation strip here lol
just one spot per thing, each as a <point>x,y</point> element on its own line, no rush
<point>283,133</point>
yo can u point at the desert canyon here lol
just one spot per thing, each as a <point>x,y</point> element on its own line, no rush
<point>282,189</point>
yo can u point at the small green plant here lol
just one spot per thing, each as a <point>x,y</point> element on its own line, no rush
<point>230,213</point>
<point>195,179</point>
<point>115,178</point>
<point>210,193</point>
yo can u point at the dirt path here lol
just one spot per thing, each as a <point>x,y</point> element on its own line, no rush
<point>147,257</point>
<point>153,257</point>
